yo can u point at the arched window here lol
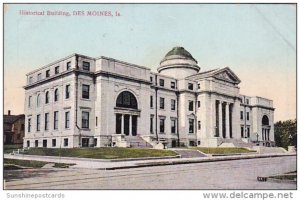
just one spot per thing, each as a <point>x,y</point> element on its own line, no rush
<point>265,120</point>
<point>126,100</point>
<point>56,94</point>
<point>47,97</point>
<point>38,100</point>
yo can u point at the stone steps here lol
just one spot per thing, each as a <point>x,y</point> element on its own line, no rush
<point>238,143</point>
<point>137,142</point>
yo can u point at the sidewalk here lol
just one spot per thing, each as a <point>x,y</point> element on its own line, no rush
<point>107,165</point>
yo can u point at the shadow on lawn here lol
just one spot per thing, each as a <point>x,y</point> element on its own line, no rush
<point>19,174</point>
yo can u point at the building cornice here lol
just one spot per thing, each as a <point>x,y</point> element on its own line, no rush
<point>57,61</point>
<point>115,75</point>
<point>123,62</point>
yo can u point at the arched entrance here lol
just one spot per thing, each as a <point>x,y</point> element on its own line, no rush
<point>127,113</point>
<point>265,130</point>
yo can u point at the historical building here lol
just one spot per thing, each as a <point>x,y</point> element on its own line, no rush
<point>83,101</point>
<point>13,128</point>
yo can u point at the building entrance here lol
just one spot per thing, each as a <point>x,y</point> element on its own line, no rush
<point>126,124</point>
<point>126,114</point>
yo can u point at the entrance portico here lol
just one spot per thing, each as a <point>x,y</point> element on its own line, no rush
<point>126,114</point>
<point>224,113</point>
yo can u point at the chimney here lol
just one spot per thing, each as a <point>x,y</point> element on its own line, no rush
<point>8,112</point>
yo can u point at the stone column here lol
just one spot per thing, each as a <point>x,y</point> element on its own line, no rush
<point>130,125</point>
<point>220,120</point>
<point>227,120</point>
<point>213,117</point>
<point>122,125</point>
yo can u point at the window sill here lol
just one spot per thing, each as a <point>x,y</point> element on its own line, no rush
<point>85,99</point>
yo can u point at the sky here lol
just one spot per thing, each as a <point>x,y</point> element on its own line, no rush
<point>257,41</point>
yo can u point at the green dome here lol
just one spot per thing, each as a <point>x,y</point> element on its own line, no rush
<point>179,51</point>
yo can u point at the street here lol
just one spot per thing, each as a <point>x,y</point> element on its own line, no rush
<point>236,174</point>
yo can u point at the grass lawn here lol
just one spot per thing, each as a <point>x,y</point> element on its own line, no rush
<point>10,147</point>
<point>102,152</point>
<point>223,150</point>
<point>24,163</point>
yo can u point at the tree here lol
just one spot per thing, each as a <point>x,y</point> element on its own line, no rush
<point>286,133</point>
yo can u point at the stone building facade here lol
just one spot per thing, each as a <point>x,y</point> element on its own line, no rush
<point>80,101</point>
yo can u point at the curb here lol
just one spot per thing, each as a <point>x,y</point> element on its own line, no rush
<point>180,162</point>
<point>101,160</point>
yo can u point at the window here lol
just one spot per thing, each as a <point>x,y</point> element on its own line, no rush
<point>28,143</point>
<point>44,143</point>
<point>191,125</point>
<point>39,76</point>
<point>29,101</point>
<point>190,86</point>
<point>248,131</point>
<point>199,86</point>
<point>247,101</point>
<point>66,142</point>
<point>85,119</point>
<point>46,121</point>
<point>242,115</point>
<point>38,122</point>
<point>96,121</point>
<point>53,142</point>
<point>30,80</point>
<point>85,142</point>
<point>47,73</point>
<point>68,65</point>
<point>29,125</point>
<point>247,115</point>
<point>38,100</point>
<point>36,143</point>
<point>173,126</point>
<point>173,85</point>
<point>47,97</point>
<point>192,143</point>
<point>126,100</point>
<point>199,125</point>
<point>161,82</point>
<point>242,131</point>
<point>151,79</point>
<point>161,125</point>
<point>162,103</point>
<point>56,69</point>
<point>86,66</point>
<point>67,91</point>
<point>173,102</point>
<point>199,104</point>
<point>85,91</point>
<point>67,119</point>
<point>191,105</point>
<point>56,94</point>
<point>55,120</point>
<point>151,124</point>
<point>151,101</point>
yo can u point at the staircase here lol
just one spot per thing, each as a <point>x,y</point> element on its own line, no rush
<point>236,143</point>
<point>137,142</point>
